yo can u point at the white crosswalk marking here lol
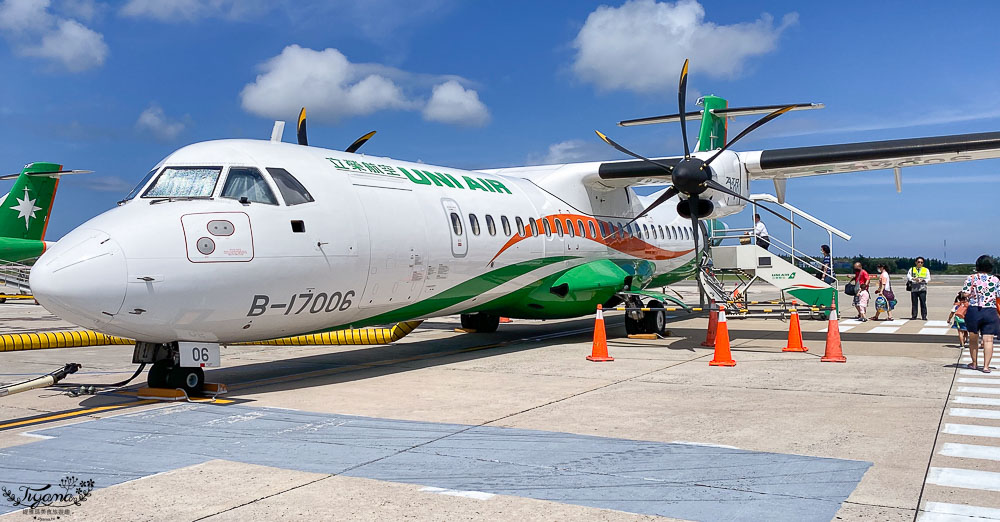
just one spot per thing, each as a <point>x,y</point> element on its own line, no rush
<point>979,389</point>
<point>936,323</point>
<point>973,430</point>
<point>896,322</point>
<point>933,331</point>
<point>964,478</point>
<point>944,512</point>
<point>978,401</point>
<point>979,414</point>
<point>979,374</point>
<point>841,328</point>
<point>983,380</point>
<point>884,329</point>
<point>970,451</point>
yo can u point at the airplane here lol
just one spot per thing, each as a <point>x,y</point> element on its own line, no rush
<point>240,240</point>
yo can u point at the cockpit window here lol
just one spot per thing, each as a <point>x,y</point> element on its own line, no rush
<point>291,190</point>
<point>185,182</point>
<point>247,182</point>
<point>135,191</point>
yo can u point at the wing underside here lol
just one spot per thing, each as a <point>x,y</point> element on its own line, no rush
<point>871,155</point>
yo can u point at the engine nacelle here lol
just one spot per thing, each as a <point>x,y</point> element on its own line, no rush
<point>728,171</point>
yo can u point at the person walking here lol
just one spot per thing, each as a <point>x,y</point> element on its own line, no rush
<point>760,232</point>
<point>886,299</point>
<point>861,296</point>
<point>958,311</point>
<point>916,282</point>
<point>827,269</point>
<point>981,319</point>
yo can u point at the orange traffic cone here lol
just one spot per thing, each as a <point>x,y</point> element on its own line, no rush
<point>794,335</point>
<point>599,353</point>
<point>506,320</point>
<point>834,352</point>
<point>722,355</point>
<point>713,324</point>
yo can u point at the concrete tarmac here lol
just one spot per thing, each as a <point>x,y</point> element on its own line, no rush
<point>518,424</point>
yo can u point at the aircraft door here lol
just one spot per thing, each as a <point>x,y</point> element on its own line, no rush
<point>456,227</point>
<point>397,230</point>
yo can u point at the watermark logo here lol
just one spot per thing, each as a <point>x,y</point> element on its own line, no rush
<point>51,501</point>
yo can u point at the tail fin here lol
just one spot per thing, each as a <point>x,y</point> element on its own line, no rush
<point>713,127</point>
<point>24,212</point>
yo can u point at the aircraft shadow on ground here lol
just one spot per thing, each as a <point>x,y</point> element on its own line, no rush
<point>368,362</point>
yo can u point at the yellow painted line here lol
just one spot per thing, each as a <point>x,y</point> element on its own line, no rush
<point>75,413</point>
<point>17,296</point>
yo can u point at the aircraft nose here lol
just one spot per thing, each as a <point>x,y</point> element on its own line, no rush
<point>82,278</point>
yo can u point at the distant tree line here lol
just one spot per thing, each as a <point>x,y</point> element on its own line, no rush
<point>902,264</point>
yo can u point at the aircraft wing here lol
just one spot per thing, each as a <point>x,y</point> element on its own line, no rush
<point>870,155</point>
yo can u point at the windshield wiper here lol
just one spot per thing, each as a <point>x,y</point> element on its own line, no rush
<point>176,198</point>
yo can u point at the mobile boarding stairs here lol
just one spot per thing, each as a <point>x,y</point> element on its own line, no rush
<point>734,263</point>
<point>14,278</point>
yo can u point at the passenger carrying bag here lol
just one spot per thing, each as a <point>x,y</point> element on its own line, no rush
<point>851,289</point>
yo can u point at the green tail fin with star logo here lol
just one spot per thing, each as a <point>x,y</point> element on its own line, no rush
<point>24,212</point>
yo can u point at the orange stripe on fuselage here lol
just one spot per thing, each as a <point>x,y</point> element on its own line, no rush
<point>630,245</point>
<point>48,212</point>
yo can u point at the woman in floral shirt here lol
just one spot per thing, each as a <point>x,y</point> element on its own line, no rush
<point>983,289</point>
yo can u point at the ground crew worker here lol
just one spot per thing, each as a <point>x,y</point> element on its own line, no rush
<point>917,278</point>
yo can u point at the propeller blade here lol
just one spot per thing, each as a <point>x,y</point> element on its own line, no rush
<point>681,99</point>
<point>667,194</point>
<point>618,147</point>
<point>693,208</point>
<point>724,189</point>
<point>359,142</point>
<point>752,128</point>
<point>300,129</point>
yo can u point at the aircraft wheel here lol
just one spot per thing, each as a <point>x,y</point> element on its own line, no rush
<point>655,321</point>
<point>487,323</point>
<point>157,376</point>
<point>468,321</point>
<point>3,300</point>
<point>191,379</point>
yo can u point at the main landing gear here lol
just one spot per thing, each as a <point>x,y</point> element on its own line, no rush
<point>481,322</point>
<point>166,371</point>
<point>653,321</point>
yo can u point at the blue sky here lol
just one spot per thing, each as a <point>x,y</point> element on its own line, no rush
<point>115,86</point>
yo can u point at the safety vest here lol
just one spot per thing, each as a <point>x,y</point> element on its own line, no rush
<point>920,272</point>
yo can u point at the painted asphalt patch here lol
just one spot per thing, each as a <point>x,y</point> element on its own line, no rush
<point>690,481</point>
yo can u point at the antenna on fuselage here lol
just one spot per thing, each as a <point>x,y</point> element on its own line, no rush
<point>277,131</point>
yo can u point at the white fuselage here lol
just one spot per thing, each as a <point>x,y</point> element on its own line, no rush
<point>378,240</point>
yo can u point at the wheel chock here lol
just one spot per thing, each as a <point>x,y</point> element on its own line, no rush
<point>162,394</point>
<point>649,337</point>
<point>210,390</point>
<point>465,330</point>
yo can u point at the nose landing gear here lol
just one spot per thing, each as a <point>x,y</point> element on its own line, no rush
<point>166,371</point>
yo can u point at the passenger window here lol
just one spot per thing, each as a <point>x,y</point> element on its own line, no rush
<point>185,182</point>
<point>520,226</point>
<point>491,227</point>
<point>456,224</point>
<point>534,226</point>
<point>506,225</point>
<point>661,232</point>
<point>652,229</point>
<point>621,232</point>
<point>546,227</point>
<point>570,229</point>
<point>291,190</point>
<point>593,233</point>
<point>687,233</point>
<point>645,231</point>
<point>247,182</point>
<point>559,228</point>
<point>474,224</point>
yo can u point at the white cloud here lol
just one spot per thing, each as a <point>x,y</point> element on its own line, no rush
<point>72,44</point>
<point>452,103</point>
<point>572,151</point>
<point>332,88</point>
<point>641,45</point>
<point>82,9</point>
<point>34,31</point>
<point>172,11</point>
<point>156,122</point>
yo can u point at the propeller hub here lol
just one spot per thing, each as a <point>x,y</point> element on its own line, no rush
<point>689,176</point>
